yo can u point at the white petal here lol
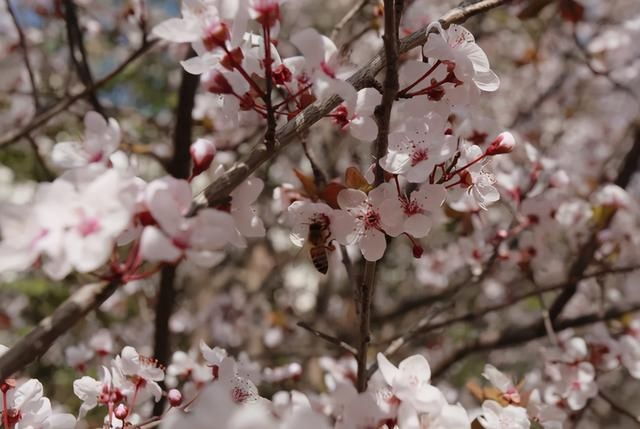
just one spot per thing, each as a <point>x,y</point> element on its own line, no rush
<point>247,192</point>
<point>68,155</point>
<point>416,366</point>
<point>200,64</point>
<point>430,197</point>
<point>367,100</point>
<point>177,30</point>
<point>373,245</point>
<point>396,162</point>
<point>311,44</point>
<point>344,228</point>
<point>88,253</point>
<point>155,246</point>
<point>487,81</point>
<point>350,198</point>
<point>497,378</point>
<point>419,173</point>
<point>418,225</point>
<point>364,129</point>
<point>477,57</point>
<point>387,369</point>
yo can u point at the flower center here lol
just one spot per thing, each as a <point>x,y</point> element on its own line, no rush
<point>410,207</point>
<point>419,155</point>
<point>109,395</point>
<point>371,219</point>
<point>89,226</point>
<point>96,157</point>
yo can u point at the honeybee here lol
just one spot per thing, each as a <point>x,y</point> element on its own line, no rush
<point>318,238</point>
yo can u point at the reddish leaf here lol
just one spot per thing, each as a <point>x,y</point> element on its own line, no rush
<point>354,179</point>
<point>308,184</point>
<point>330,194</point>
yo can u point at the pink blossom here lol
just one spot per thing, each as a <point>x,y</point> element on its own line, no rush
<point>360,220</point>
<point>416,150</point>
<point>101,139</point>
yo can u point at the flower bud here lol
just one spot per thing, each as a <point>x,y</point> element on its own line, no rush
<point>7,385</point>
<point>504,143</point>
<point>217,83</point>
<point>282,74</point>
<point>121,412</point>
<point>266,12</point>
<point>417,251</point>
<point>216,35</point>
<point>175,397</point>
<point>202,153</point>
<point>233,59</point>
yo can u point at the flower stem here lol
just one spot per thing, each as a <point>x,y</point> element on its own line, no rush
<point>421,78</point>
<point>5,410</point>
<point>464,167</point>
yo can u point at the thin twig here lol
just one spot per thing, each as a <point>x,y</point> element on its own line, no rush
<point>619,409</point>
<point>423,326</point>
<point>25,55</point>
<point>333,340</point>
<point>270,135</point>
<point>348,17</point>
<point>63,104</point>
<point>515,335</point>
<point>48,174</point>
<point>76,46</point>
<point>626,171</point>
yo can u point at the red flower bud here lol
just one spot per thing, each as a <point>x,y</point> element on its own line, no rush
<point>217,83</point>
<point>281,74</point>
<point>202,153</point>
<point>175,397</point>
<point>504,143</point>
<point>121,412</point>
<point>216,36</point>
<point>233,59</point>
<point>417,251</point>
<point>267,12</point>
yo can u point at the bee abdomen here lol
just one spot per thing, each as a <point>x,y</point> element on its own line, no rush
<point>319,258</point>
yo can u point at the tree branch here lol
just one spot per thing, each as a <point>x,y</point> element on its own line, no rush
<point>392,13</point>
<point>348,17</point>
<point>38,341</point>
<point>625,172</point>
<point>77,48</point>
<point>521,334</point>
<point>178,167</point>
<point>424,325</point>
